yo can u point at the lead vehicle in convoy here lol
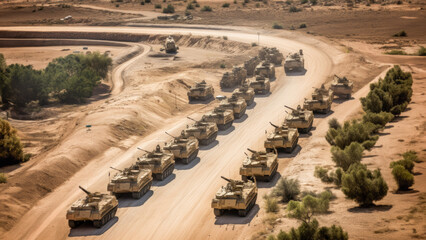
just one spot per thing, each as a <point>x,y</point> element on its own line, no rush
<point>321,101</point>
<point>300,118</point>
<point>205,132</point>
<point>200,91</point>
<point>342,87</point>
<point>261,164</point>
<point>282,138</point>
<point>132,180</point>
<point>161,163</point>
<point>246,92</point>
<point>236,195</point>
<point>221,116</point>
<point>96,207</point>
<point>294,62</point>
<point>184,148</point>
<point>237,104</point>
<point>261,85</point>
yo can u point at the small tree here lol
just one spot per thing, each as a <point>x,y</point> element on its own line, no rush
<point>271,204</point>
<point>169,9</point>
<point>350,155</point>
<point>206,9</point>
<point>403,177</point>
<point>411,155</point>
<point>10,145</point>
<point>309,206</point>
<point>363,186</point>
<point>331,233</point>
<point>407,164</point>
<point>287,189</point>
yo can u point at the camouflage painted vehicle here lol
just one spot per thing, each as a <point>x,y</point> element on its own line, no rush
<point>200,91</point>
<point>161,163</point>
<point>246,92</point>
<point>272,55</point>
<point>236,195</point>
<point>342,87</point>
<point>183,148</point>
<point>170,45</point>
<point>261,164</point>
<point>205,132</point>
<point>321,101</point>
<point>132,180</point>
<point>294,62</point>
<point>282,138</point>
<point>235,78</point>
<point>260,85</point>
<point>236,104</point>
<point>97,208</point>
<point>221,116</point>
<point>265,69</point>
<point>250,65</point>
<point>300,119</point>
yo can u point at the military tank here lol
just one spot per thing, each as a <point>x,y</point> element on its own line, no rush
<point>245,92</point>
<point>321,101</point>
<point>250,65</point>
<point>205,132</point>
<point>272,55</point>
<point>236,195</point>
<point>260,85</point>
<point>300,119</point>
<point>261,165</point>
<point>294,62</point>
<point>200,91</point>
<point>97,208</point>
<point>161,163</point>
<point>182,147</point>
<point>132,180</point>
<point>265,69</point>
<point>221,116</point>
<point>342,87</point>
<point>235,78</point>
<point>282,138</point>
<point>236,104</point>
<point>170,45</point>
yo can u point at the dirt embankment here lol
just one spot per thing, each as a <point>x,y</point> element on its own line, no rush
<point>151,98</point>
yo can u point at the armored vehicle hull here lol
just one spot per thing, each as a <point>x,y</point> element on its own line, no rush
<point>245,92</point>
<point>200,91</point>
<point>234,78</point>
<point>250,65</point>
<point>262,165</point>
<point>161,163</point>
<point>284,138</point>
<point>222,117</point>
<point>294,62</point>
<point>265,69</point>
<point>205,132</point>
<point>170,45</point>
<point>271,55</point>
<point>261,85</point>
<point>132,181</point>
<point>182,148</point>
<point>342,87</point>
<point>300,119</point>
<point>237,105</point>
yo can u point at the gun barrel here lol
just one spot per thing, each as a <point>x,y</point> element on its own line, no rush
<point>273,125</point>
<point>226,179</point>
<point>84,190</point>
<point>289,107</point>
<point>143,150</point>
<point>116,169</point>
<point>252,151</point>
<point>191,119</point>
<point>170,135</point>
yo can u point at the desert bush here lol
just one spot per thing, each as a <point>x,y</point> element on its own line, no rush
<point>157,6</point>
<point>411,155</point>
<point>225,37</point>
<point>206,9</point>
<point>169,9</point>
<point>396,52</point>
<point>404,179</point>
<point>378,119</point>
<point>190,6</point>
<point>355,131</point>
<point>400,34</point>
<point>197,5</point>
<point>288,2</point>
<point>303,25</point>
<point>362,185</point>
<point>311,231</point>
<point>331,233</point>
<point>286,189</point>
<point>314,2</point>
<point>225,5</point>
<point>421,51</point>
<point>147,1</point>
<point>322,174</point>
<point>333,123</point>
<point>3,178</point>
<point>258,5</point>
<point>303,1</point>
<point>277,26</point>
<point>294,9</point>
<point>309,206</point>
<point>407,164</point>
<point>271,203</point>
<point>253,44</point>
<point>222,65</point>
<point>142,3</point>
<point>11,150</point>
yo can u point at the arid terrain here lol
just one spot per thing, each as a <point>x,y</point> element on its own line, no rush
<point>145,95</point>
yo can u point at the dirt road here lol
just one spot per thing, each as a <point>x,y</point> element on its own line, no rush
<point>179,207</point>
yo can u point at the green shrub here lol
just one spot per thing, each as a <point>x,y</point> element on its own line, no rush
<point>222,65</point>
<point>246,1</point>
<point>258,5</point>
<point>253,44</point>
<point>322,174</point>
<point>117,5</point>
<point>225,5</point>
<point>311,231</point>
<point>190,6</point>
<point>142,3</point>
<point>286,189</point>
<point>411,155</point>
<point>400,34</point>
<point>225,37</point>
<point>277,26</point>
<point>355,131</point>
<point>197,5</point>
<point>362,185</point>
<point>303,25</point>
<point>169,9</point>
<point>303,1</point>
<point>3,178</point>
<point>11,150</point>
<point>309,206</point>
<point>314,2</point>
<point>404,179</point>
<point>157,6</point>
<point>288,2</point>
<point>331,233</point>
<point>407,164</point>
<point>206,9</point>
<point>271,204</point>
<point>395,52</point>
<point>421,51</point>
<point>378,119</point>
<point>294,9</point>
<point>147,1</point>
<point>333,123</point>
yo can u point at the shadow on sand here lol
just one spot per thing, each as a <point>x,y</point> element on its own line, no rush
<point>231,217</point>
<point>127,201</point>
<point>87,229</point>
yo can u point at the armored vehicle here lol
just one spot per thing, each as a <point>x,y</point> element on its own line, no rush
<point>131,180</point>
<point>245,92</point>
<point>170,45</point>
<point>182,147</point>
<point>300,119</point>
<point>321,101</point>
<point>265,69</point>
<point>205,132</point>
<point>342,87</point>
<point>261,164</point>
<point>221,116</point>
<point>235,78</point>
<point>272,55</point>
<point>236,195</point>
<point>250,65</point>
<point>97,208</point>
<point>237,104</point>
<point>201,91</point>
<point>160,162</point>
<point>261,85</point>
<point>282,138</point>
<point>294,62</point>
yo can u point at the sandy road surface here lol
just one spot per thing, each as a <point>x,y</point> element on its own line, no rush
<point>179,207</point>
<point>145,15</point>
